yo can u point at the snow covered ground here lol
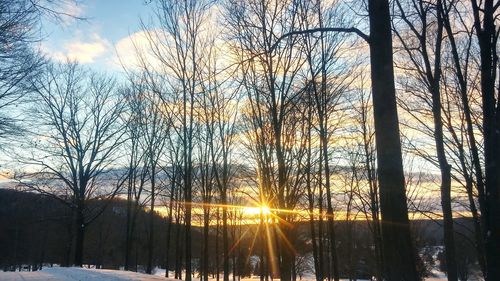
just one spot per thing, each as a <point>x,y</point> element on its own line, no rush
<point>84,274</point>
<point>78,274</point>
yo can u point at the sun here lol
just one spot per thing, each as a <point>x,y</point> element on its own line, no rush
<point>253,211</point>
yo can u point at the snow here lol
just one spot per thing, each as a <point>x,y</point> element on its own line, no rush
<point>85,274</point>
<point>438,276</point>
<point>79,274</point>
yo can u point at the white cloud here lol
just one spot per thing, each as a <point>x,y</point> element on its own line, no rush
<point>133,49</point>
<point>71,10</point>
<point>82,51</point>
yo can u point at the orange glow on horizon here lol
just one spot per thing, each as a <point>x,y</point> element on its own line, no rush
<point>248,215</point>
<point>253,211</point>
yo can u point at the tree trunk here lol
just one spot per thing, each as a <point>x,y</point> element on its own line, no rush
<point>80,234</point>
<point>127,231</point>
<point>329,210</point>
<point>323,124</point>
<point>374,202</point>
<point>321,256</point>
<point>473,149</point>
<point>225,238</point>
<point>399,254</point>
<point>286,254</point>
<point>169,226</point>
<point>187,223</point>
<point>149,268</point>
<point>217,260</point>
<point>434,80</point>
<point>206,227</point>
<point>310,197</point>
<point>178,242</point>
<point>487,37</point>
<point>445,169</point>
<point>478,233</point>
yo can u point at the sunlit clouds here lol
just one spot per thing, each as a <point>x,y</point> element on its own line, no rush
<point>82,49</point>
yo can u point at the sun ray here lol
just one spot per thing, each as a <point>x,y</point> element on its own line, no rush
<point>233,247</point>
<point>271,250</point>
<point>254,239</point>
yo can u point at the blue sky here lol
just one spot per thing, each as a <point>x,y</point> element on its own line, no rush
<point>94,41</point>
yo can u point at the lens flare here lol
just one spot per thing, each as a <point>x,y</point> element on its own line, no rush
<point>254,211</point>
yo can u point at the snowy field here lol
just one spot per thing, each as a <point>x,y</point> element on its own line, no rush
<point>78,274</point>
<point>84,274</point>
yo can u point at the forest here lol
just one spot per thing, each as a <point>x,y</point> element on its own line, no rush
<point>269,138</point>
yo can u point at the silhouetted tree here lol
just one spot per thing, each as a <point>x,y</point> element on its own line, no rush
<point>74,140</point>
<point>20,21</point>
<point>487,32</point>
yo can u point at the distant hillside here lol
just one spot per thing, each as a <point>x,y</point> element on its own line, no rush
<point>37,229</point>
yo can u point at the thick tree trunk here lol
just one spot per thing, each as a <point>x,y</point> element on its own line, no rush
<point>399,253</point>
<point>286,254</point>
<point>80,234</point>
<point>487,37</point>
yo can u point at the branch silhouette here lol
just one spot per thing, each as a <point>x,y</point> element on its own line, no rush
<point>321,29</point>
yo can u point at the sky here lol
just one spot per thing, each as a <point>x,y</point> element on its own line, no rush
<point>103,39</point>
<point>95,41</point>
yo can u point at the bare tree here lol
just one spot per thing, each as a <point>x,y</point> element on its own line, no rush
<point>368,197</point>
<point>75,136</point>
<point>155,127</point>
<point>422,46</point>
<point>273,110</point>
<point>178,45</point>
<point>459,86</point>
<point>487,33</point>
<point>329,81</point>
<point>20,22</point>
<point>137,167</point>
<point>398,250</point>
<point>220,108</point>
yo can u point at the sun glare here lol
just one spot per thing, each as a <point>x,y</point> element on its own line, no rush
<point>253,211</point>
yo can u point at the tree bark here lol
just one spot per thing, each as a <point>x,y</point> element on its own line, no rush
<point>225,238</point>
<point>206,228</point>
<point>217,259</point>
<point>169,223</point>
<point>80,234</point>
<point>399,253</point>
<point>487,37</point>
<point>462,83</point>
<point>444,166</point>
<point>149,268</point>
